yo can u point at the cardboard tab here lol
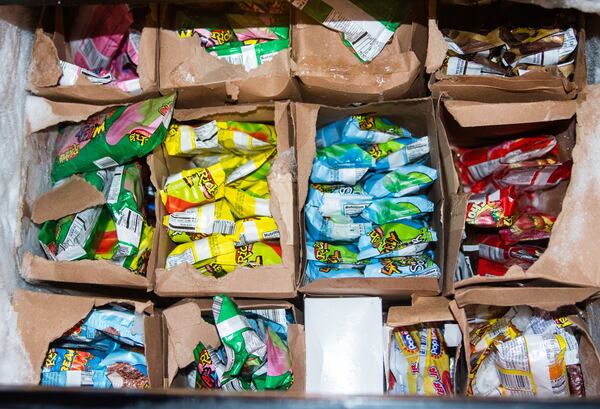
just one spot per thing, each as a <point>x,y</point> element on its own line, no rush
<point>423,309</point>
<point>71,197</point>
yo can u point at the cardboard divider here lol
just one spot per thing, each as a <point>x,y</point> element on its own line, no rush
<point>186,327</point>
<point>548,84</point>
<point>272,282</point>
<point>474,124</point>
<point>203,80</point>
<point>417,115</point>
<point>562,301</point>
<point>49,47</point>
<point>428,310</point>
<point>40,203</point>
<point>42,318</point>
<point>329,72</point>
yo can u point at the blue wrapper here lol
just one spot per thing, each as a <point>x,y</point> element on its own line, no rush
<point>414,149</point>
<point>340,200</point>
<point>117,322</point>
<point>345,164</point>
<point>119,369</point>
<point>399,239</point>
<point>359,129</point>
<point>317,271</point>
<point>341,228</point>
<point>403,181</point>
<point>421,265</point>
<point>392,209</point>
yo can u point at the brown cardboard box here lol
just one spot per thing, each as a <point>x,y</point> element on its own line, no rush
<point>49,47</point>
<point>418,117</point>
<point>268,281</point>
<point>40,203</point>
<point>556,299</point>
<point>535,86</point>
<point>185,327</point>
<point>426,310</point>
<point>204,80</point>
<point>329,72</point>
<point>476,124</point>
<point>43,318</point>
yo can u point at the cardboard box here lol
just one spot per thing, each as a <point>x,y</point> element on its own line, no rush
<point>569,259</point>
<point>50,46</point>
<point>344,345</point>
<point>468,300</point>
<point>535,86</point>
<point>429,310</point>
<point>270,282</point>
<point>185,327</point>
<point>39,203</point>
<point>330,73</point>
<point>418,117</point>
<point>43,318</point>
<point>204,80</point>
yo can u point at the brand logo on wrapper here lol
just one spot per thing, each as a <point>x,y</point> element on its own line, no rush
<point>164,110</point>
<point>436,347</point>
<point>139,135</point>
<point>221,36</point>
<point>408,341</point>
<point>50,360</point>
<point>204,180</point>
<point>365,122</point>
<point>436,381</point>
<point>321,249</point>
<point>69,154</point>
<point>75,360</point>
<point>243,255</point>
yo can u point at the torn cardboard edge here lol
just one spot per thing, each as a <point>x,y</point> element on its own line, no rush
<point>44,70</point>
<point>549,269</point>
<point>186,328</point>
<point>533,297</point>
<point>42,318</point>
<point>418,116</point>
<point>548,84</point>
<point>341,78</point>
<point>72,196</point>
<point>272,282</point>
<point>203,79</point>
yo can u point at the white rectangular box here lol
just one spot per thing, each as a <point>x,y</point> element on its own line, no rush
<point>344,345</point>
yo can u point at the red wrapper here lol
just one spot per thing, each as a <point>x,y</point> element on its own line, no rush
<point>476,164</point>
<point>494,181</point>
<point>528,227</point>
<point>529,178</point>
<point>486,267</point>
<point>493,250</point>
<point>492,210</point>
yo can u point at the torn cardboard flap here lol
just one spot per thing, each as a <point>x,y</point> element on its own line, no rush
<point>436,44</point>
<point>423,309</point>
<point>473,114</point>
<point>70,197</point>
<point>43,318</point>
<point>96,272</point>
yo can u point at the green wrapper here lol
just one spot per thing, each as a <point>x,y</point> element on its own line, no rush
<point>113,137</point>
<point>246,352</point>
<point>250,56</point>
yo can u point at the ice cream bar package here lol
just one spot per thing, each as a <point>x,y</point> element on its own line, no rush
<point>366,27</point>
<point>258,27</point>
<point>404,238</point>
<point>387,210</point>
<point>477,163</point>
<point>492,210</point>
<point>398,152</point>
<point>362,130</point>
<point>211,218</point>
<point>338,200</point>
<point>241,138</point>
<point>318,271</point>
<point>345,164</point>
<point>341,228</point>
<point>332,253</point>
<point>251,255</point>
<point>408,266</point>
<point>245,204</point>
<point>536,226</point>
<point>249,55</point>
<point>532,177</point>
<point>200,250</point>
<point>193,187</point>
<point>113,137</point>
<point>103,350</point>
<point>255,229</point>
<point>491,247</point>
<point>403,181</point>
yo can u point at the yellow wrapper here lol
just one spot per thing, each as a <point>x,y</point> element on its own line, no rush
<point>437,380</point>
<point>211,218</point>
<point>250,166</point>
<point>193,187</point>
<point>255,229</point>
<point>140,259</point>
<point>407,339</point>
<point>218,266</point>
<point>243,205</point>
<point>217,137</point>
<point>258,189</point>
<point>200,250</point>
